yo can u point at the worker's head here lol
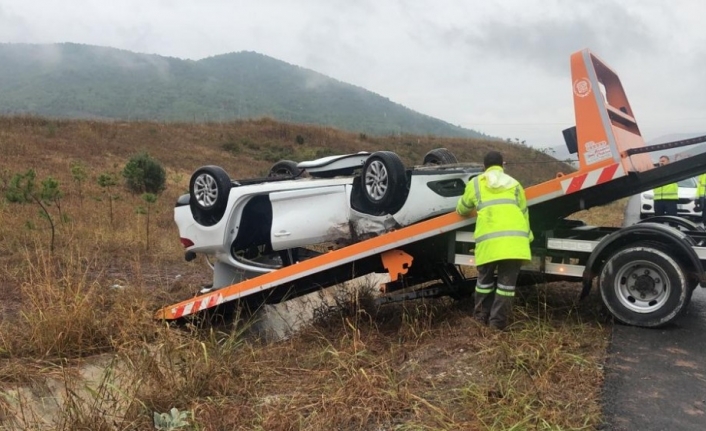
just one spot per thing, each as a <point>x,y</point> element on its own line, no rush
<point>663,160</point>
<point>493,158</point>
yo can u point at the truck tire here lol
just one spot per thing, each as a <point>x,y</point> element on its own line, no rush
<point>439,156</point>
<point>642,285</point>
<point>208,190</point>
<point>678,222</point>
<point>384,182</point>
<point>689,294</point>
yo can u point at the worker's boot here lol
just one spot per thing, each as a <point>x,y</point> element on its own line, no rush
<point>482,307</point>
<point>500,312</point>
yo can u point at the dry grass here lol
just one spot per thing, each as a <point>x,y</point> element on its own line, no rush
<point>424,366</point>
<point>79,349</point>
<point>610,215</point>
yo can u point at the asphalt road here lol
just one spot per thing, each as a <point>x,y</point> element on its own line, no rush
<point>656,378</point>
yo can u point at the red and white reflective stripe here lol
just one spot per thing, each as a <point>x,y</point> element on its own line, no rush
<point>593,178</point>
<point>198,305</point>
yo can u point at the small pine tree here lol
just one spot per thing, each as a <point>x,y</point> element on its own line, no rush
<point>79,174</point>
<point>22,188</point>
<point>107,181</point>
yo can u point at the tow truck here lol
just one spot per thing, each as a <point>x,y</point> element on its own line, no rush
<point>646,273</point>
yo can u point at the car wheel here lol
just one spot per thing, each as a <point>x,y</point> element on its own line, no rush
<point>384,181</point>
<point>209,189</point>
<point>439,156</point>
<point>643,285</point>
<point>284,168</point>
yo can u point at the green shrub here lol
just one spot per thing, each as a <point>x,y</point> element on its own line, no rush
<point>143,174</point>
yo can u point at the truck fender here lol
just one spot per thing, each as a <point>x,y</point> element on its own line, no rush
<point>680,242</point>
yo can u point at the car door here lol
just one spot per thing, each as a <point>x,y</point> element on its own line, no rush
<point>309,216</point>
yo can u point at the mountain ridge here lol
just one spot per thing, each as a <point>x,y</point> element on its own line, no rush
<point>85,81</point>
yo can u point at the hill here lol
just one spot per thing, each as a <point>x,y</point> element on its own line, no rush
<point>245,148</point>
<point>81,81</point>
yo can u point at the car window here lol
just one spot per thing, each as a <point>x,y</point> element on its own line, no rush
<point>688,183</point>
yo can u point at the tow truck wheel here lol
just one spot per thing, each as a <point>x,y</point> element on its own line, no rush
<point>384,181</point>
<point>689,294</point>
<point>642,285</point>
<point>439,156</point>
<point>284,168</point>
<point>678,222</point>
<point>209,189</point>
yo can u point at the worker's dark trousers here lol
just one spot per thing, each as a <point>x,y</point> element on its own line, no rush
<point>493,301</point>
<point>665,207</point>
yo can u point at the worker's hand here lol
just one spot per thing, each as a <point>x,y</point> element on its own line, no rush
<point>699,205</point>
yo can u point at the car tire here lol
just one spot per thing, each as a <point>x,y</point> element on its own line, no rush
<point>284,168</point>
<point>439,156</point>
<point>209,189</point>
<point>642,285</point>
<point>384,182</point>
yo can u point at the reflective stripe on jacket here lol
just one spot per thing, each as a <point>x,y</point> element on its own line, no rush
<point>667,192</point>
<point>502,223</point>
<point>701,186</point>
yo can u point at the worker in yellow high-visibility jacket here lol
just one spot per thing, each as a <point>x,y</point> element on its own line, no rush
<point>701,196</point>
<point>502,238</point>
<point>666,196</point>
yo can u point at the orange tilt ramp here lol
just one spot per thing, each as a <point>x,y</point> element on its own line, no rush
<point>605,129</point>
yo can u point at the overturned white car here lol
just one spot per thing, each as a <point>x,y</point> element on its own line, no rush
<point>252,226</point>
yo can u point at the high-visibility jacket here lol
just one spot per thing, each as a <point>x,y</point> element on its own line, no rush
<point>701,186</point>
<point>667,192</point>
<point>502,221</point>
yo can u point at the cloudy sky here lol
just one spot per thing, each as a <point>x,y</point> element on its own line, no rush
<point>500,67</point>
